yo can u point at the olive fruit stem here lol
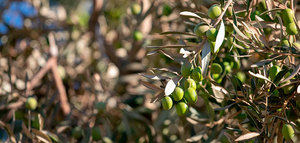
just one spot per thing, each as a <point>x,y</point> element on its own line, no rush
<point>29,119</point>
<point>223,12</point>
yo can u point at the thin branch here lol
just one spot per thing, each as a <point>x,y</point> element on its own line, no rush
<point>61,89</point>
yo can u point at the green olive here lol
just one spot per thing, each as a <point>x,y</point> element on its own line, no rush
<point>211,34</point>
<point>181,108</point>
<point>31,103</point>
<point>287,89</point>
<point>227,67</point>
<point>229,42</point>
<point>167,103</point>
<point>191,95</point>
<point>273,71</point>
<point>216,68</point>
<point>177,94</point>
<point>288,131</point>
<point>287,16</point>
<point>196,74</point>
<point>96,133</point>
<point>77,132</point>
<point>167,10</point>
<point>186,69</point>
<point>268,30</point>
<point>291,29</point>
<point>190,83</point>
<point>214,11</point>
<point>229,28</point>
<point>229,11</point>
<point>285,42</point>
<point>137,35</point>
<point>241,76</point>
<point>100,106</point>
<point>136,9</point>
<point>200,29</point>
<point>216,76</point>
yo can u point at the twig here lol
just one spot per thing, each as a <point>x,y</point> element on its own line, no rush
<point>60,86</point>
<point>61,89</point>
<point>40,75</point>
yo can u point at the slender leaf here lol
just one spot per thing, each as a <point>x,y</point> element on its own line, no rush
<point>41,136</point>
<point>247,136</point>
<point>176,32</point>
<point>205,58</point>
<point>220,37</point>
<point>151,86</point>
<point>169,46</point>
<point>260,76</point>
<point>154,77</point>
<point>196,138</point>
<point>189,14</point>
<point>239,32</point>
<point>171,85</point>
<point>294,73</point>
<point>159,95</point>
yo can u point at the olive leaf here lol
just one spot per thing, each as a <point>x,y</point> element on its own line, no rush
<point>42,136</point>
<point>247,136</point>
<point>196,137</point>
<point>153,77</point>
<point>239,32</point>
<point>169,46</point>
<point>159,95</point>
<point>260,76</point>
<point>189,14</point>
<point>166,54</point>
<point>170,87</point>
<point>176,32</point>
<point>151,86</point>
<point>185,53</point>
<point>219,92</point>
<point>220,37</point>
<point>205,57</point>
<point>294,73</point>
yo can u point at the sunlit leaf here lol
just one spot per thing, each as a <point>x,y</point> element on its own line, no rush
<point>171,85</point>
<point>239,32</point>
<point>247,136</point>
<point>154,77</point>
<point>260,76</point>
<point>220,37</point>
<point>219,92</point>
<point>189,14</point>
<point>41,136</point>
<point>205,58</point>
<point>196,138</point>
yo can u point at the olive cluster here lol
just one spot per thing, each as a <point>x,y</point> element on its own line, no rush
<point>185,93</point>
<point>202,29</point>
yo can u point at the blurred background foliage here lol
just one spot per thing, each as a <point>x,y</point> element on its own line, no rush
<point>101,51</point>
